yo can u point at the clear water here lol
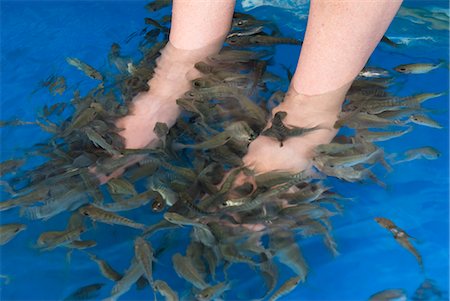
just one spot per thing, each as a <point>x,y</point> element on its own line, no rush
<point>37,36</point>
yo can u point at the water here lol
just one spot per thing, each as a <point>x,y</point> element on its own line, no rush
<point>38,36</point>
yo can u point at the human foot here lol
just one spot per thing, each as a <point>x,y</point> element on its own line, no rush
<point>172,77</point>
<point>265,153</point>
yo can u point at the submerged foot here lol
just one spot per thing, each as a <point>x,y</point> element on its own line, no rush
<point>174,72</point>
<point>172,78</point>
<point>266,154</point>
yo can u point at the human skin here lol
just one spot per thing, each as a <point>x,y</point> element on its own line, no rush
<point>340,37</point>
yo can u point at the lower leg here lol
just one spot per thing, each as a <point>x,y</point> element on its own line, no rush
<point>198,30</point>
<point>340,37</point>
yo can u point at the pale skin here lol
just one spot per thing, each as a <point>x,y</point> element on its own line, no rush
<point>340,37</point>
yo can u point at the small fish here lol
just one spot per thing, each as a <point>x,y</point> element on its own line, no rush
<point>115,59</point>
<point>81,244</point>
<point>247,32</point>
<point>88,70</point>
<point>157,5</point>
<point>143,252</point>
<point>424,120</point>
<point>133,273</point>
<point>400,236</point>
<point>288,252</point>
<point>53,239</point>
<point>164,289</point>
<point>9,231</point>
<point>393,294</point>
<point>213,292</point>
<point>380,136</point>
<point>373,72</point>
<point>10,166</point>
<point>418,68</point>
<point>86,292</point>
<point>286,288</point>
<point>184,269</point>
<point>106,217</point>
<point>15,122</point>
<point>388,41</point>
<point>106,270</point>
<point>260,40</point>
<point>121,186</point>
<point>55,84</point>
<point>158,204</point>
<point>232,55</point>
<point>426,152</point>
<point>281,132</point>
<point>428,291</point>
<point>99,141</point>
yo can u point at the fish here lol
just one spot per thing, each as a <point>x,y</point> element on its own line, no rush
<point>67,200</point>
<point>269,271</point>
<point>9,231</point>
<point>350,160</point>
<point>86,292</point>
<point>80,120</point>
<point>97,214</point>
<point>10,166</point>
<point>106,270</point>
<point>166,194</point>
<point>213,292</point>
<point>260,40</point>
<point>239,131</point>
<point>143,252</point>
<point>388,41</point>
<point>157,5</point>
<point>164,289</point>
<point>81,244</point>
<point>281,132</point>
<point>285,248</point>
<point>426,152</point>
<point>211,258</point>
<point>424,120</point>
<point>400,236</point>
<point>380,136</point>
<point>150,21</point>
<point>161,225</point>
<point>286,288</point>
<point>121,186</point>
<point>55,84</point>
<point>246,32</point>
<point>115,59</point>
<point>393,294</point>
<point>158,204</point>
<point>418,68</point>
<point>373,72</point>
<point>232,55</point>
<point>53,239</point>
<point>362,120</point>
<point>132,274</point>
<point>99,141</point>
<point>186,270</point>
<point>35,195</point>
<point>87,69</point>
<point>15,122</point>
<point>179,219</point>
<point>427,291</point>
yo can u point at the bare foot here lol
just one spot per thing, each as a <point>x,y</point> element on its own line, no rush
<point>174,72</point>
<point>172,78</point>
<point>265,153</point>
